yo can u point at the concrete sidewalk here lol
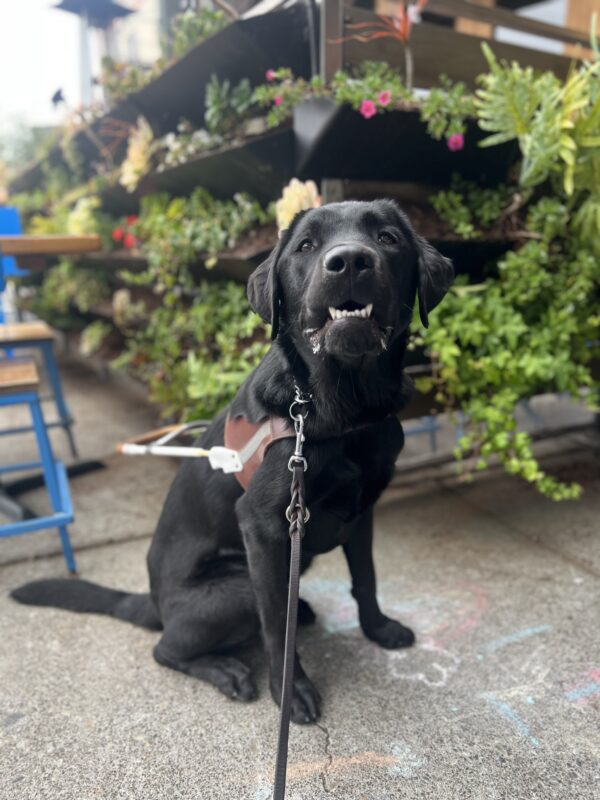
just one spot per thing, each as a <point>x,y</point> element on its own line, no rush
<point>499,699</point>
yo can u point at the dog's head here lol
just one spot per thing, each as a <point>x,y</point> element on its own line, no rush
<point>343,279</point>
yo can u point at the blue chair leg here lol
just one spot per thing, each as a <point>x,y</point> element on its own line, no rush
<point>67,549</point>
<point>50,476</point>
<point>8,351</point>
<point>61,406</point>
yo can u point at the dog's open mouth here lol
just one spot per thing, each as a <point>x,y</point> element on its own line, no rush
<point>351,309</point>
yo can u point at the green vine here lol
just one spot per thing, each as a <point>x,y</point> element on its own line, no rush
<point>535,327</point>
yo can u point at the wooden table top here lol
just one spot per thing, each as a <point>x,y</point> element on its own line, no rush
<point>48,245</point>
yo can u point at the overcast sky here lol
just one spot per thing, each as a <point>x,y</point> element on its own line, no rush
<point>39,52</point>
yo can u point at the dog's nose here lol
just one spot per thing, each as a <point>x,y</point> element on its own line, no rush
<point>349,258</point>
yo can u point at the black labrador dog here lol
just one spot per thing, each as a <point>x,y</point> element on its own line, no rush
<point>339,290</point>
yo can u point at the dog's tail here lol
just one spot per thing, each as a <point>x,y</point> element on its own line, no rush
<point>90,598</point>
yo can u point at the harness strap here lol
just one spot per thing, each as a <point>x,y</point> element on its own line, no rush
<point>251,441</point>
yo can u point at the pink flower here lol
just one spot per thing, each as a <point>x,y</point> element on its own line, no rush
<point>368,109</point>
<point>455,142</point>
<point>384,98</point>
<point>270,75</point>
<point>278,100</point>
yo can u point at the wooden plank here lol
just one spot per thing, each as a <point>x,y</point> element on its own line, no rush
<point>48,245</point>
<point>486,12</point>
<point>15,332</point>
<point>16,375</point>
<point>457,55</point>
<point>579,16</point>
<point>473,27</point>
<point>332,30</point>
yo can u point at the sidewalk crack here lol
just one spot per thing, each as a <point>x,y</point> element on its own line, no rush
<point>328,758</point>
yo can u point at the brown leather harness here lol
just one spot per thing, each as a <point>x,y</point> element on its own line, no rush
<point>252,440</point>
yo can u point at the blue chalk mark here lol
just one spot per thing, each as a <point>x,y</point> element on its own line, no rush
<point>529,700</point>
<point>584,691</point>
<point>263,793</point>
<point>509,714</point>
<point>518,636</point>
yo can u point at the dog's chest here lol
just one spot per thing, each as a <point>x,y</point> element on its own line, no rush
<point>350,480</point>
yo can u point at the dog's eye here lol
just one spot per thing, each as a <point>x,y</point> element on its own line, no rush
<point>386,238</point>
<point>306,246</point>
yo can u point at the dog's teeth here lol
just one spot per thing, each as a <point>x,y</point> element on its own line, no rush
<point>332,312</point>
<point>369,309</point>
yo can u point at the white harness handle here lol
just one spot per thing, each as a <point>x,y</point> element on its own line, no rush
<point>156,443</point>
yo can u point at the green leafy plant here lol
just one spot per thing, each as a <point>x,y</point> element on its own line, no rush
<point>93,337</point>
<point>195,345</point>
<point>227,106</point>
<point>557,124</point>
<point>195,352</point>
<point>175,232</point>
<point>466,204</point>
<point>192,27</point>
<point>68,292</point>
<point>447,108</point>
<point>535,326</point>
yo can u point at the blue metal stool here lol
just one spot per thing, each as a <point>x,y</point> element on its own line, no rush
<point>19,335</point>
<point>18,386</point>
<point>38,335</point>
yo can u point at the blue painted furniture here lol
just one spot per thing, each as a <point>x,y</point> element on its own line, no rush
<point>19,386</point>
<point>10,224</point>
<point>15,336</point>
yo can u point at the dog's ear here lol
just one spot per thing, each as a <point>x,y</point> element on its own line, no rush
<point>264,293</point>
<point>434,279</point>
<point>263,290</point>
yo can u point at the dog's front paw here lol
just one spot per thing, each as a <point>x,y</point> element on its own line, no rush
<point>306,701</point>
<point>391,634</point>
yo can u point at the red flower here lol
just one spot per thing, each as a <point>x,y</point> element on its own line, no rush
<point>117,234</point>
<point>278,100</point>
<point>270,74</point>
<point>384,98</point>
<point>368,109</point>
<point>455,142</point>
<point>131,219</point>
<point>129,241</point>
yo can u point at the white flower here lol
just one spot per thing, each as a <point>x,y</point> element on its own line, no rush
<point>297,196</point>
<point>139,155</point>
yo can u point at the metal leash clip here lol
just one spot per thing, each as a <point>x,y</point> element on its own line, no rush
<point>301,399</point>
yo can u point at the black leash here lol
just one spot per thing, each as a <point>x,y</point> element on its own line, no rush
<point>297,515</point>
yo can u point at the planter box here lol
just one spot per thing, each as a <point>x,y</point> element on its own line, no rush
<point>337,142</point>
<point>261,166</point>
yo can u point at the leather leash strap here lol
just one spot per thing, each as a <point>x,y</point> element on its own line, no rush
<point>297,515</point>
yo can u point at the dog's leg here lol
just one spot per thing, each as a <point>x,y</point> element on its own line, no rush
<point>267,548</point>
<point>359,554</point>
<point>203,622</point>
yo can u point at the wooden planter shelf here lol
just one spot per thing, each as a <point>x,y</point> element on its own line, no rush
<point>260,166</point>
